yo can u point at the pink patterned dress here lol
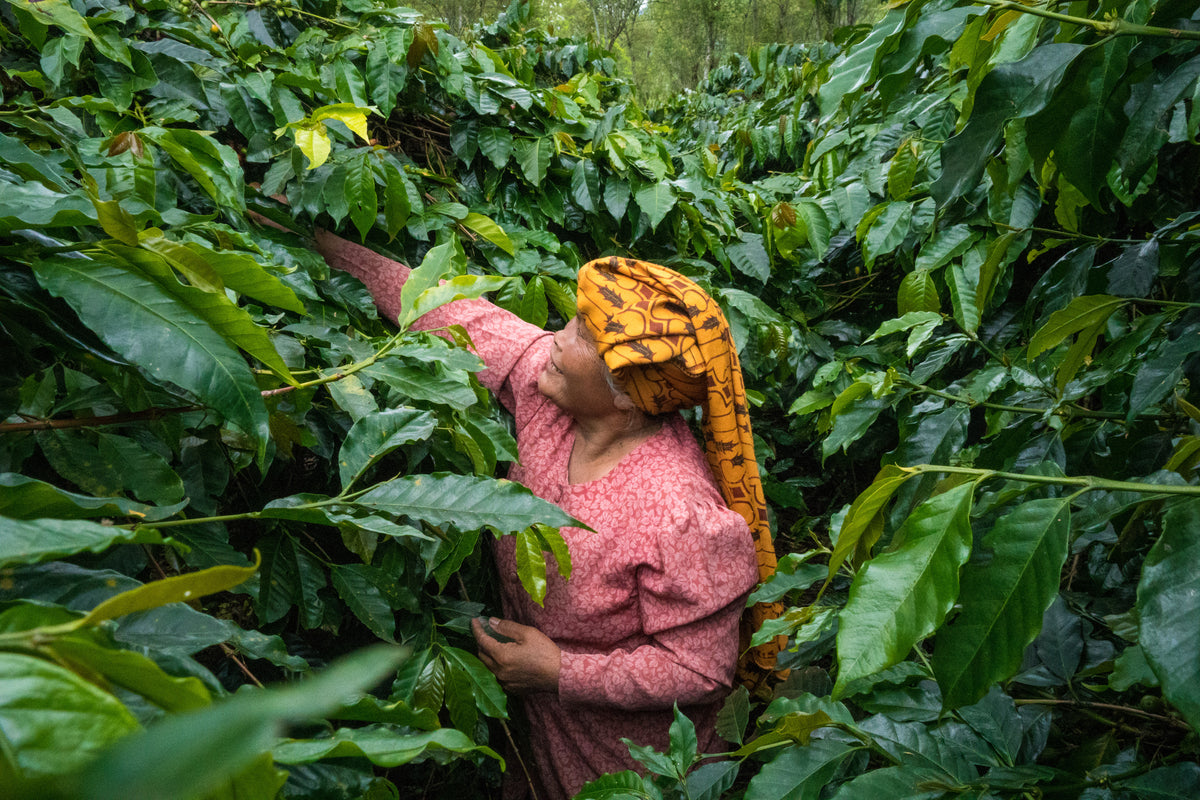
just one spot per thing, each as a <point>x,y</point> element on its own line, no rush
<point>650,615</point>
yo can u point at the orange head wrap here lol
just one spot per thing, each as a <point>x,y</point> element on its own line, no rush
<point>667,343</point>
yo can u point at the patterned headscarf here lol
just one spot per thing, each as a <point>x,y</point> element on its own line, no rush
<point>669,346</point>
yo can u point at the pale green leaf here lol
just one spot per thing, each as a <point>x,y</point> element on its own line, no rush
<point>1081,313</point>
<point>489,230</point>
<point>177,589</point>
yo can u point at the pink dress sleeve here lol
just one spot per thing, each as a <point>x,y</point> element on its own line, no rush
<point>691,592</point>
<point>513,350</point>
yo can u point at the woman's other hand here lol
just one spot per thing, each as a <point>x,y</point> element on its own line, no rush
<point>529,663</point>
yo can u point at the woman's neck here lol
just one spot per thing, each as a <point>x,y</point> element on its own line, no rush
<point>601,444</point>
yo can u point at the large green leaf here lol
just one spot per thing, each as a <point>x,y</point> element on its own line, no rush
<point>464,501</point>
<point>51,720</point>
<point>188,755</point>
<point>1003,599</point>
<point>213,165</point>
<point>902,596</point>
<point>152,328</point>
<point>361,197</point>
<point>1168,604</point>
<point>36,540</point>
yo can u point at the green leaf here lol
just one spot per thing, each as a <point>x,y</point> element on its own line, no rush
<point>866,510</point>
<point>1168,604</point>
<point>585,185</point>
<point>1175,782</point>
<point>238,271</point>
<point>799,773</point>
<point>917,293</point>
<point>212,165</point>
<point>1009,91</point>
<point>176,589</point>
<point>52,720</point>
<point>902,596</point>
<point>436,265</point>
<point>489,697</point>
<point>656,199</point>
<point>531,565</point>
<point>382,745</point>
<point>363,587</point>
<point>396,205</point>
<point>816,225</point>
<point>750,257</point>
<point>210,305</point>
<point>1144,136</point>
<point>533,157</point>
<point>26,498</point>
<point>734,716</point>
<point>151,328</point>
<point>465,501</point>
<point>116,221</point>
<point>489,230</point>
<point>1003,600</point>
<point>133,672</point>
<point>464,287</point>
<point>360,193</point>
<point>627,785</point>
<point>34,541</point>
<point>188,755</point>
<point>1082,313</point>
<point>375,435</point>
<point>496,144</point>
<point>883,229</point>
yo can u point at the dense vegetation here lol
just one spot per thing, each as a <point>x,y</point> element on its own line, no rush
<point>960,253</point>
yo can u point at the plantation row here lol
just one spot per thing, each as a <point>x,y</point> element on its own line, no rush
<point>960,252</point>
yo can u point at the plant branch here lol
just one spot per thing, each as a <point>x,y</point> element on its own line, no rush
<point>1107,707</point>
<point>1088,483</point>
<point>156,413</point>
<point>1109,27</point>
<point>1066,411</point>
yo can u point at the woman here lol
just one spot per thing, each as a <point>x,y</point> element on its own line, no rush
<point>650,616</point>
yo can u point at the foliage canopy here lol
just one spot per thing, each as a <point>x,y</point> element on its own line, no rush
<point>959,250</point>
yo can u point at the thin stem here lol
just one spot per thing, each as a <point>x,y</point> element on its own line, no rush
<point>1090,483</point>
<point>1108,707</point>
<point>1068,411</point>
<point>1111,27</point>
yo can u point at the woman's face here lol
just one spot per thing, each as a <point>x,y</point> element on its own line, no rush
<point>573,378</point>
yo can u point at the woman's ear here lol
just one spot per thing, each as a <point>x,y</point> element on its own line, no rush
<point>623,402</point>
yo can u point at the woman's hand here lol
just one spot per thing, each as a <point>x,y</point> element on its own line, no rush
<point>529,663</point>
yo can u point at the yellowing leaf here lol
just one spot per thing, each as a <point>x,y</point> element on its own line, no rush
<point>352,116</point>
<point>314,143</point>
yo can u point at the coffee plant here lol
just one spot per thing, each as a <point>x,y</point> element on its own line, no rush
<point>244,522</point>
